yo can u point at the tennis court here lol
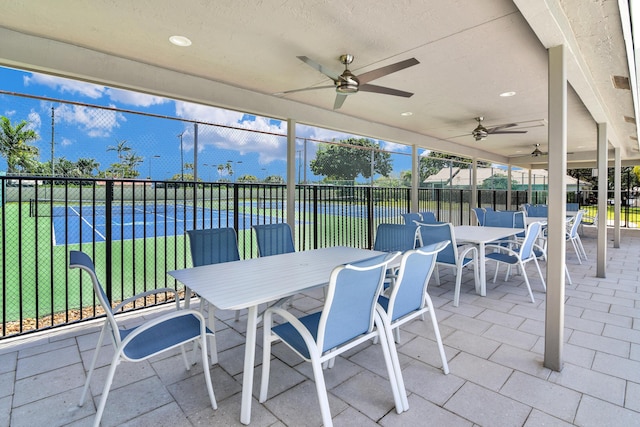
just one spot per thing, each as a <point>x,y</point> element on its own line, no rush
<point>86,223</point>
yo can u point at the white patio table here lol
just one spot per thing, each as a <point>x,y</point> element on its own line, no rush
<point>249,283</point>
<point>543,219</point>
<point>479,236</point>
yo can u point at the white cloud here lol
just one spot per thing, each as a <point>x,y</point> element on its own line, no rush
<point>94,122</point>
<point>65,142</point>
<point>269,147</point>
<point>65,85</point>
<point>34,121</point>
<point>133,98</point>
<point>9,113</point>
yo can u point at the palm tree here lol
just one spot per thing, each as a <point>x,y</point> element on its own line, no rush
<point>87,166</point>
<point>120,148</point>
<point>129,163</point>
<point>14,145</point>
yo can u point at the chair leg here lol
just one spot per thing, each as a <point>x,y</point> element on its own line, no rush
<point>321,390</point>
<point>456,294</point>
<point>575,248</point>
<point>566,271</point>
<point>205,367</point>
<point>107,386</point>
<point>581,246</point>
<point>93,364</point>
<point>436,332</point>
<point>544,285</point>
<point>526,280</point>
<point>393,365</point>
<point>436,271</point>
<point>266,358</point>
<point>495,275</point>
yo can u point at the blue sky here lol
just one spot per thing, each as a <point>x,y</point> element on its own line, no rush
<point>80,131</point>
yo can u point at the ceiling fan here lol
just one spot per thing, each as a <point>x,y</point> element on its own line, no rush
<point>537,152</point>
<point>480,132</point>
<point>348,83</point>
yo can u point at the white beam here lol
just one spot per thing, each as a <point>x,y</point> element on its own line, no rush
<point>603,178</point>
<point>617,178</point>
<point>291,175</point>
<point>554,313</point>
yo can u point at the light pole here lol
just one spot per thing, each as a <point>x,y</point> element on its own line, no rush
<point>181,156</point>
<point>155,156</point>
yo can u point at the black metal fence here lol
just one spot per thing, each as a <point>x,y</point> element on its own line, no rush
<point>135,230</point>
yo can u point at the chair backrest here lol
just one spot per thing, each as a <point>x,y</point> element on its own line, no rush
<point>274,239</point>
<point>538,211</point>
<point>575,223</point>
<point>79,259</point>
<point>499,219</point>
<point>213,246</point>
<point>416,267</point>
<point>441,232</point>
<point>428,218</point>
<point>480,214</point>
<point>395,237</point>
<point>410,217</point>
<point>526,248</point>
<point>488,209</point>
<point>351,299</point>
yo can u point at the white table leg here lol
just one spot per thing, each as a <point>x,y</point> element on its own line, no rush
<point>249,360</point>
<point>482,270</point>
<point>211,320</point>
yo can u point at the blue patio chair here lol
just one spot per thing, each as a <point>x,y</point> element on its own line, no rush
<point>451,256</point>
<point>428,218</point>
<point>274,239</point>
<point>573,207</point>
<point>396,237</point>
<point>408,298</point>
<point>479,214</point>
<point>573,236</point>
<point>488,209</point>
<point>139,343</point>
<point>349,317</point>
<point>213,246</point>
<point>520,253</point>
<point>410,217</point>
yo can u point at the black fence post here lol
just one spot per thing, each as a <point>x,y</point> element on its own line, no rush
<point>108,235</point>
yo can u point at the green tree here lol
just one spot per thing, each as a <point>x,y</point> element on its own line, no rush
<point>130,162</point>
<point>248,178</point>
<point>274,179</point>
<point>15,147</point>
<point>350,159</point>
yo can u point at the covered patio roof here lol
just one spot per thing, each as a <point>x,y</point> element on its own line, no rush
<point>243,56</point>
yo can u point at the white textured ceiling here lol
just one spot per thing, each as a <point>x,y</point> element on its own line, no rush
<point>469,53</point>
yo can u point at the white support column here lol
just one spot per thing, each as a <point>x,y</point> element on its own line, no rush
<point>415,178</point>
<point>617,178</point>
<point>291,175</point>
<point>530,191</point>
<point>601,262</point>
<point>509,187</point>
<point>474,182</point>
<point>554,313</point>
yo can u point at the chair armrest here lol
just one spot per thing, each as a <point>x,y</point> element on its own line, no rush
<point>293,320</point>
<point>146,294</point>
<point>473,249</point>
<point>502,248</point>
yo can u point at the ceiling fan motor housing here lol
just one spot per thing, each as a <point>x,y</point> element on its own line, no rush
<point>348,83</point>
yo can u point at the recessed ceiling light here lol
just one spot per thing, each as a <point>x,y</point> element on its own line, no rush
<point>507,94</point>
<point>406,113</point>
<point>181,41</point>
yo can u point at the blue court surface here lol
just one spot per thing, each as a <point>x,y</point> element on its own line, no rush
<point>89,225</point>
